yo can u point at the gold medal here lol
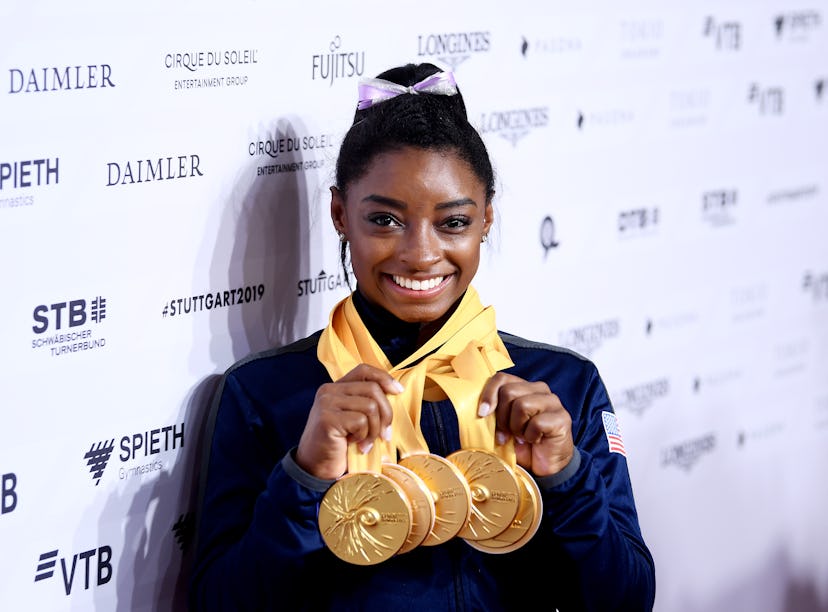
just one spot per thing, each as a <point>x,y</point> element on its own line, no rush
<point>452,498</point>
<point>495,493</point>
<point>422,504</point>
<point>526,523</point>
<point>364,518</point>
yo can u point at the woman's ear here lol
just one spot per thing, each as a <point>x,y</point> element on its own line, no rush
<point>338,211</point>
<point>488,217</point>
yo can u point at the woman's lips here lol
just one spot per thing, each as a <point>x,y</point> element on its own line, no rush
<point>419,287</point>
<point>415,284</point>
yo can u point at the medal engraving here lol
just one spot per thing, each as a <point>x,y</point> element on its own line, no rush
<point>452,497</point>
<point>495,493</point>
<point>526,522</point>
<point>422,504</point>
<point>364,518</point>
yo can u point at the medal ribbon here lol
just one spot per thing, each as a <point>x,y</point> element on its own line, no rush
<point>458,359</point>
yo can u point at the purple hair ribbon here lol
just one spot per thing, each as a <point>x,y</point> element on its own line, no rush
<point>373,91</point>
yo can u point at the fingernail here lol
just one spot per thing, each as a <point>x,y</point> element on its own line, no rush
<point>501,438</point>
<point>519,440</point>
<point>386,434</point>
<point>365,447</point>
<point>484,410</point>
<point>398,386</point>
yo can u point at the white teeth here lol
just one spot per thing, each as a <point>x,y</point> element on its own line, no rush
<point>417,285</point>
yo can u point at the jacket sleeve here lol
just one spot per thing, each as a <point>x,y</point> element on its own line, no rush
<point>590,517</point>
<point>256,521</point>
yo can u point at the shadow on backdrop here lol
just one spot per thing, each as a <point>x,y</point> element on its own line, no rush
<point>803,596</point>
<point>263,240</point>
<point>271,248</point>
<point>774,586</point>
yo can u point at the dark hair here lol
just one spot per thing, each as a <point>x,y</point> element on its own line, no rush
<point>427,121</point>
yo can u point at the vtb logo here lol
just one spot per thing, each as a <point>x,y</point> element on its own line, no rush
<point>728,34</point>
<point>771,100</point>
<point>68,314</point>
<point>8,493</point>
<point>48,561</point>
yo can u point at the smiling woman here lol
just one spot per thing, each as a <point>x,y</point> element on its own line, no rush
<point>410,455</point>
<point>414,222</point>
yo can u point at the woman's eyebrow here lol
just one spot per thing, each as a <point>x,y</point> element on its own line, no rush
<point>400,205</point>
<point>457,203</point>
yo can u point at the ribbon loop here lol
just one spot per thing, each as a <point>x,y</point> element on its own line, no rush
<point>372,91</point>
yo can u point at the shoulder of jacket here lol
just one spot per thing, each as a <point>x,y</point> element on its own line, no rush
<point>519,342</point>
<point>299,346</point>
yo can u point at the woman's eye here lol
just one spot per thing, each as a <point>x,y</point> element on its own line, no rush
<point>383,220</point>
<point>457,222</point>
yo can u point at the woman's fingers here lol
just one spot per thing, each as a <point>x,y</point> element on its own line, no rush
<point>535,416</point>
<point>354,409</point>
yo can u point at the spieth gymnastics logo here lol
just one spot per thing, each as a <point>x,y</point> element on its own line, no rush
<point>797,26</point>
<point>26,174</point>
<point>136,447</point>
<point>97,457</point>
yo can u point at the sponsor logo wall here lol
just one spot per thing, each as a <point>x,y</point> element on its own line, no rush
<point>661,197</point>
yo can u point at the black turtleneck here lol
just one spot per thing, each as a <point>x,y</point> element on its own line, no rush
<point>397,338</point>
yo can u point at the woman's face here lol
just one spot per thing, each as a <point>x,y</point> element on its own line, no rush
<point>414,223</point>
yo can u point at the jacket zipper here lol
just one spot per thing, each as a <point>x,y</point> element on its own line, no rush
<point>442,440</point>
<point>439,428</point>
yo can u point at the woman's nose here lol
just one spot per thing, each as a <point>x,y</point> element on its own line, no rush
<point>420,247</point>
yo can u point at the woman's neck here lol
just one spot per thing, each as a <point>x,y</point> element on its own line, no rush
<point>397,338</point>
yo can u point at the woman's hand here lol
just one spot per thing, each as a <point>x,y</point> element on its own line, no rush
<point>534,415</point>
<point>352,409</point>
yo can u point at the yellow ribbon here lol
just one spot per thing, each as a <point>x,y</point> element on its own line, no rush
<point>458,360</point>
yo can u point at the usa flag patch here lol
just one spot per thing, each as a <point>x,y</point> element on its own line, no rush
<point>616,444</point>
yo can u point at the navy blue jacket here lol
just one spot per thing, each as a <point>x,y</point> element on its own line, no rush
<point>259,546</point>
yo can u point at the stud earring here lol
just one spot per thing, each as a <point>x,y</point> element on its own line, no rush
<point>484,238</point>
<point>342,238</point>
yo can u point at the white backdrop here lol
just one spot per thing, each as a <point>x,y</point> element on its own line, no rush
<point>662,175</point>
